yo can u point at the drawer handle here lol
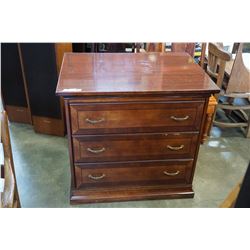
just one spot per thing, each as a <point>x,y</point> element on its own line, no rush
<point>94,121</point>
<point>171,174</point>
<point>179,118</point>
<point>96,177</point>
<point>96,151</point>
<point>175,148</point>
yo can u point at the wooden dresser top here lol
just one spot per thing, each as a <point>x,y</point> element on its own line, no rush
<point>127,73</point>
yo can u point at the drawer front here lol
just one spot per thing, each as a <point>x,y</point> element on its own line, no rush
<point>129,147</point>
<point>137,173</point>
<point>101,118</point>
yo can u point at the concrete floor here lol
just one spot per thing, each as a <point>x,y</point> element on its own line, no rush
<point>43,174</point>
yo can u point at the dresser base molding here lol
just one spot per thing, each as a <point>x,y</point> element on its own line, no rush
<point>130,194</point>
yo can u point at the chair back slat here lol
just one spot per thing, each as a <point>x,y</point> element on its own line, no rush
<point>10,196</point>
<point>217,58</point>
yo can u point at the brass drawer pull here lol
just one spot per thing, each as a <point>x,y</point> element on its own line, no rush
<point>171,174</point>
<point>179,118</point>
<point>96,177</point>
<point>175,148</point>
<point>96,151</point>
<point>94,121</point>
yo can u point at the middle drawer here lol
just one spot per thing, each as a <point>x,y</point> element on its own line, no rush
<point>131,147</point>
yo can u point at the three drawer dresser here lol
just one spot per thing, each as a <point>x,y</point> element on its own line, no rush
<point>134,124</point>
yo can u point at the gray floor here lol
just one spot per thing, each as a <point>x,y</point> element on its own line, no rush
<point>43,176</point>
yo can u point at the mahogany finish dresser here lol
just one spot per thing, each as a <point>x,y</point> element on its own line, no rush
<point>134,124</point>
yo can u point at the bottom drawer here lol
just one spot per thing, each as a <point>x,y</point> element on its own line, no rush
<point>133,173</point>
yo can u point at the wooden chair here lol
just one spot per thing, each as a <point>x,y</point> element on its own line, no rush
<point>203,61</point>
<point>239,195</point>
<point>203,55</point>
<point>10,196</point>
<point>230,200</point>
<point>184,47</point>
<point>212,101</point>
<point>217,58</point>
<point>155,47</point>
<point>237,87</point>
<point>175,47</point>
<point>150,47</point>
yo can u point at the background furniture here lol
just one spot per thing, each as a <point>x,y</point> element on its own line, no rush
<point>10,196</point>
<point>132,140</point>
<point>155,47</point>
<point>184,47</point>
<point>237,88</point>
<point>40,69</point>
<point>217,58</point>
<point>239,196</point>
<point>29,78</point>
<point>14,90</point>
<point>230,200</point>
<point>175,47</point>
<point>245,58</point>
<point>211,109</point>
<point>104,47</point>
<point>243,199</point>
<point>1,167</point>
<point>203,55</point>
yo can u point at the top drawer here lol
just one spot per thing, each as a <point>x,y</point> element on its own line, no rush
<point>103,118</point>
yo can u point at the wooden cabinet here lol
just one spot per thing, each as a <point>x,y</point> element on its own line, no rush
<point>40,69</point>
<point>134,124</point>
<point>14,91</point>
<point>29,78</point>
